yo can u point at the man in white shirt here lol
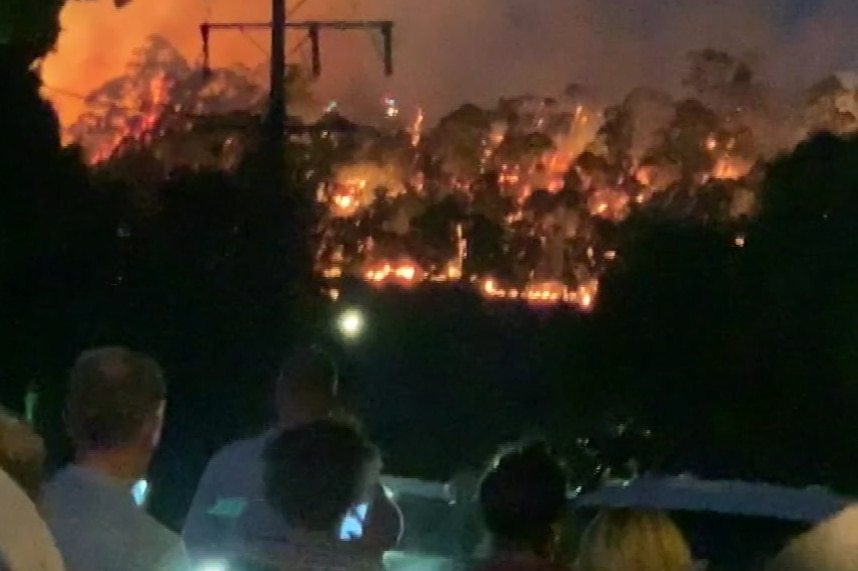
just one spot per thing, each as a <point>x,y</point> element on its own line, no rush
<point>230,514</point>
<point>114,414</point>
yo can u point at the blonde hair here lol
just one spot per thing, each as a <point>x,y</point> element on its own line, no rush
<point>631,540</point>
<point>22,453</point>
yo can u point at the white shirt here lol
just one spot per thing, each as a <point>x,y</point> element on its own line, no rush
<point>230,514</point>
<point>229,510</point>
<point>25,542</point>
<point>98,527</point>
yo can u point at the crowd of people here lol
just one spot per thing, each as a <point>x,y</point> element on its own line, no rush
<point>305,495</point>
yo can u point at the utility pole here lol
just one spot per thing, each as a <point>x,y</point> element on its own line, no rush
<point>276,122</point>
<point>276,117</point>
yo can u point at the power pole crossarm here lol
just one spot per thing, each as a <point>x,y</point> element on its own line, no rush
<point>313,29</point>
<point>275,125</point>
<point>276,118</point>
<point>304,25</point>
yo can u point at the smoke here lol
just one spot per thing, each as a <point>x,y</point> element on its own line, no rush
<point>452,51</point>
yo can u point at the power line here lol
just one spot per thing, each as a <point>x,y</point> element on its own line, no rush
<point>313,29</point>
<point>295,8</point>
<point>299,45</point>
<point>256,44</point>
<point>66,92</point>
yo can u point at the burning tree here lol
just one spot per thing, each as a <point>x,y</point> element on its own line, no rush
<point>169,108</point>
<point>533,216</point>
<point>526,198</point>
<point>455,146</point>
<point>158,102</point>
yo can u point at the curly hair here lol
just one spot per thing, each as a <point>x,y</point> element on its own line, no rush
<point>523,494</point>
<point>316,472</point>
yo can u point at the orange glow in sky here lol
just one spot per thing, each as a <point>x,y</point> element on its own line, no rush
<point>98,40</point>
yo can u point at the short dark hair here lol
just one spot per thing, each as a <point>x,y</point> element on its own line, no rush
<point>314,473</point>
<point>307,369</point>
<point>112,392</point>
<point>524,493</point>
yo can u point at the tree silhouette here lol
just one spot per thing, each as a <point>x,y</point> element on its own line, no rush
<point>802,254</point>
<point>659,319</point>
<point>29,28</point>
<point>697,336</point>
<point>57,240</point>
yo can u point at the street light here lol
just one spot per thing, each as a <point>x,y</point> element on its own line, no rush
<point>350,323</point>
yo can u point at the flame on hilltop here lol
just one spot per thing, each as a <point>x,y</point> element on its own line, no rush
<point>557,184</point>
<point>358,186</point>
<point>546,293</point>
<point>397,194</point>
<point>403,272</point>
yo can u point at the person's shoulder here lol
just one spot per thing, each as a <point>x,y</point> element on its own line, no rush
<point>158,530</point>
<point>25,541</point>
<point>12,497</point>
<point>164,542</point>
<point>59,479</point>
<point>239,450</point>
<point>63,488</point>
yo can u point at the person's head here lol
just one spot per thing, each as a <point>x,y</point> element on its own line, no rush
<point>630,540</point>
<point>523,498</point>
<point>115,407</point>
<point>22,453</point>
<point>317,472</point>
<point>306,386</point>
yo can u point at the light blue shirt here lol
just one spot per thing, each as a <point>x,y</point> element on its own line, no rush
<point>229,510</point>
<point>230,516</point>
<point>98,527</point>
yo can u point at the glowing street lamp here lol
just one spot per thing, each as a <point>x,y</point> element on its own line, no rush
<point>350,323</point>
